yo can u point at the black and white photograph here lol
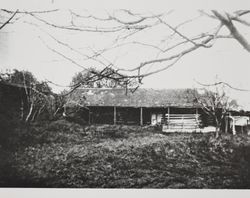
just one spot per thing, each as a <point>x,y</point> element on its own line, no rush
<point>124,97</point>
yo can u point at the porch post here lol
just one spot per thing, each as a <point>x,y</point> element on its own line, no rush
<point>168,116</point>
<point>226,124</point>
<point>141,116</point>
<point>234,131</point>
<point>233,123</point>
<point>196,117</point>
<point>114,115</point>
<point>196,111</point>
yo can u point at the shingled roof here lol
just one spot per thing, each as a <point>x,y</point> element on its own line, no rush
<point>140,98</point>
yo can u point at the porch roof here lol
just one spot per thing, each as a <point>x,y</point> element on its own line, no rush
<point>140,98</point>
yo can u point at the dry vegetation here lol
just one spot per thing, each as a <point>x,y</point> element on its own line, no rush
<point>62,154</point>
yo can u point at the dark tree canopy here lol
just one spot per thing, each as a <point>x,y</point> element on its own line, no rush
<point>26,79</point>
<point>107,78</point>
<point>19,77</point>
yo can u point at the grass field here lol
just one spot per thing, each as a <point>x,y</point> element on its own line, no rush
<point>62,154</point>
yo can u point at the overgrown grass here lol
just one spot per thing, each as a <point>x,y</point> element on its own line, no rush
<point>62,154</point>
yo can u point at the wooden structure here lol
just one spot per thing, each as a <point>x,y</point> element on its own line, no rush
<point>182,122</point>
<point>236,124</point>
<point>172,108</point>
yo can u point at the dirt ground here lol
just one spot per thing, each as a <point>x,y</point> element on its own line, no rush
<point>63,154</point>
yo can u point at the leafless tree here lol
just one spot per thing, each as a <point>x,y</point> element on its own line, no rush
<point>126,26</point>
<point>5,20</point>
<point>38,95</point>
<point>214,102</point>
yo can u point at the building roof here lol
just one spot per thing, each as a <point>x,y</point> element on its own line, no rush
<point>140,98</point>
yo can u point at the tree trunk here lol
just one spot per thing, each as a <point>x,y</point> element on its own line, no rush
<point>59,108</point>
<point>217,128</point>
<point>217,132</point>
<point>40,111</point>
<point>30,112</point>
<point>22,109</point>
<point>226,124</point>
<point>34,116</point>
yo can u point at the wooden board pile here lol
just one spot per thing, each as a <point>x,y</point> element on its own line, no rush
<point>182,123</point>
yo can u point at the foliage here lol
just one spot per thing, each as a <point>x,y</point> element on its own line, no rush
<point>140,159</point>
<point>214,102</point>
<point>19,77</point>
<point>107,78</point>
<point>38,95</point>
<point>23,100</point>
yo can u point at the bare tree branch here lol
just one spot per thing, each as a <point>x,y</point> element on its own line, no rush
<point>225,19</point>
<point>181,35</point>
<point>126,31</point>
<point>31,12</point>
<point>210,38</point>
<point>221,83</point>
<point>62,55</point>
<point>8,21</point>
<point>162,69</point>
<point>242,21</point>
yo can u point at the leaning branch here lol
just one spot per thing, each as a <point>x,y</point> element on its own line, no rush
<point>226,20</point>
<point>222,83</point>
<point>8,21</point>
<point>171,57</point>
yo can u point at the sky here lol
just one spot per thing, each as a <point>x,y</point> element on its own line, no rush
<point>23,46</point>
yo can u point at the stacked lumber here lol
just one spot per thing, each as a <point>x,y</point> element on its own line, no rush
<point>181,122</point>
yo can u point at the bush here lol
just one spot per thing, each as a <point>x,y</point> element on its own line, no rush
<point>10,129</point>
<point>64,154</point>
<point>151,160</point>
<point>60,131</point>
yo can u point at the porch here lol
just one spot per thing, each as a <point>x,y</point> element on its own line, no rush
<point>172,118</point>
